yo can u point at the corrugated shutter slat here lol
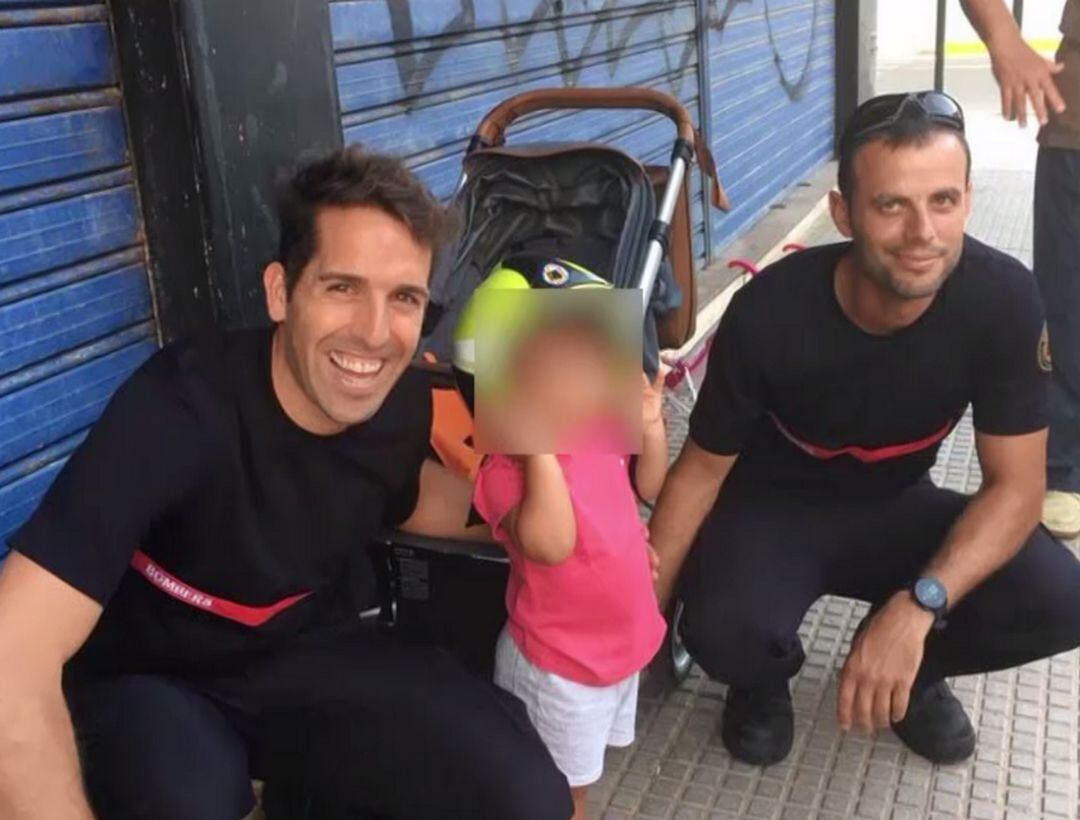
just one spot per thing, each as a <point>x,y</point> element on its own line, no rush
<point>416,80</point>
<point>772,119</point>
<point>76,316</point>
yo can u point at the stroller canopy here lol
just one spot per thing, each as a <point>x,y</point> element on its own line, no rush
<point>588,204</point>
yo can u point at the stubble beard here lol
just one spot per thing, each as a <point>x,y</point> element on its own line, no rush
<point>883,276</point>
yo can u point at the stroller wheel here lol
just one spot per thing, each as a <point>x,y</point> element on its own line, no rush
<point>679,655</point>
<point>673,663</point>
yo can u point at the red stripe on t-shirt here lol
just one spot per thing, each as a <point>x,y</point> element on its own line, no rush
<point>187,594</point>
<point>867,455</point>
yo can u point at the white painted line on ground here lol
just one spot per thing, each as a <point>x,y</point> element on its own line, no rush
<point>709,316</point>
<point>798,233</point>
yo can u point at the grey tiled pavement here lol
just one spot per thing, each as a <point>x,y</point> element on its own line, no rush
<point>1028,719</point>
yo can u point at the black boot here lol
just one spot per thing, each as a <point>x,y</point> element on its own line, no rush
<point>936,726</point>
<point>758,726</point>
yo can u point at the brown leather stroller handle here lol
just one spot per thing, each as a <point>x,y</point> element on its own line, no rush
<point>493,127</point>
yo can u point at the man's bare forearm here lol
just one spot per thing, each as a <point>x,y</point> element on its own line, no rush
<point>992,21</point>
<point>689,493</point>
<point>43,622</point>
<point>987,535</point>
<point>1022,75</point>
<point>39,766</point>
<point>442,509</point>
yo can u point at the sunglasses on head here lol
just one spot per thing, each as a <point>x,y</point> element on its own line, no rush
<point>885,111</point>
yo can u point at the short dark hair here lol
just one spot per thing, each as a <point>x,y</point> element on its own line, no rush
<point>353,176</point>
<point>905,131</point>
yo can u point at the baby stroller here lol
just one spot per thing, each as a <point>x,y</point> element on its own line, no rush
<point>590,203</point>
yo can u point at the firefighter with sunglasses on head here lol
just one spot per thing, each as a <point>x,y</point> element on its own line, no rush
<point>834,378</point>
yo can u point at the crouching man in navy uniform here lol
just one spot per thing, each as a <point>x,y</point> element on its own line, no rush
<point>180,614</point>
<point>834,377</point>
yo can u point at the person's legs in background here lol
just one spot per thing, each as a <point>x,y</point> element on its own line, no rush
<point>1057,269</point>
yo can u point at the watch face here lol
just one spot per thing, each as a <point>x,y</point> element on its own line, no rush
<point>930,593</point>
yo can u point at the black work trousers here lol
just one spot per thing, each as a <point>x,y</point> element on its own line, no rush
<point>1057,270</point>
<point>358,728</point>
<point>764,555</point>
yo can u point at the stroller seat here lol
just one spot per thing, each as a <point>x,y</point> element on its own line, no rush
<point>592,204</point>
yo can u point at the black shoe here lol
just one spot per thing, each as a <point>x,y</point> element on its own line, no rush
<point>936,726</point>
<point>758,727</point>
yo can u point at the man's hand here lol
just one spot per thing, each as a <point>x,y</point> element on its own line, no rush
<point>881,667</point>
<point>1020,72</point>
<point>1023,74</point>
<point>688,494</point>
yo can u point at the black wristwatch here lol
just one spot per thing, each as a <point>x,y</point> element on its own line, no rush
<point>930,594</point>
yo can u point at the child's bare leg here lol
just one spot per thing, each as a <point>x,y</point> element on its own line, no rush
<point>579,794</point>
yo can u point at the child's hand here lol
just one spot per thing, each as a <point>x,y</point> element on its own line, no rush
<point>654,561</point>
<point>652,399</point>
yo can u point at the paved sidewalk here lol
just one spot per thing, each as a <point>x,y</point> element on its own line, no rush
<point>1028,719</point>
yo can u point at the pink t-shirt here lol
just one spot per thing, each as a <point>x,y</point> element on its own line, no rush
<point>593,618</point>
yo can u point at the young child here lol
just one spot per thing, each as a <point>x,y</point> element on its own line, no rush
<point>583,617</point>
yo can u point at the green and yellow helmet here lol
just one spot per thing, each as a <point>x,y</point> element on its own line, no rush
<point>522,271</point>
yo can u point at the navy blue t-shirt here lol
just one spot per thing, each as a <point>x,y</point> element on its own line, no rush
<point>810,401</point>
<point>195,495</point>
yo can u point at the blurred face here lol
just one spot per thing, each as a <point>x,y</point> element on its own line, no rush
<point>562,378</point>
<point>907,213</point>
<point>566,370</point>
<point>352,323</point>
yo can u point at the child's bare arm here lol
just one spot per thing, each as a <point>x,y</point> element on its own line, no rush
<point>652,464</point>
<point>542,525</point>
<point>651,468</point>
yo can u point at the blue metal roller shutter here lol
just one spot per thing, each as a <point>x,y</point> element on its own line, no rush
<point>772,72</point>
<point>415,77</point>
<point>76,316</point>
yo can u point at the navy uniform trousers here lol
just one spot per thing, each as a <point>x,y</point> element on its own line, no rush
<point>764,555</point>
<point>359,728</point>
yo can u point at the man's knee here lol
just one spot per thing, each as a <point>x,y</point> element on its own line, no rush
<point>529,786</point>
<point>153,751</point>
<point>203,792</point>
<point>1029,609</point>
<point>511,768</point>
<point>1060,593</point>
<point>739,645</point>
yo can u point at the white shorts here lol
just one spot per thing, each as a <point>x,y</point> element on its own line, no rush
<point>576,722</point>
